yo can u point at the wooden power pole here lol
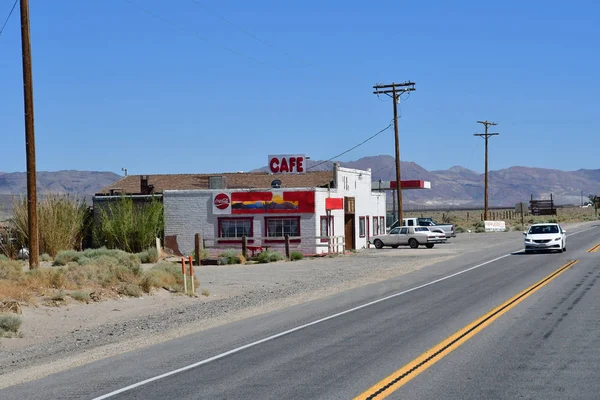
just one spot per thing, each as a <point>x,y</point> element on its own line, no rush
<point>395,90</point>
<point>486,136</point>
<point>33,245</point>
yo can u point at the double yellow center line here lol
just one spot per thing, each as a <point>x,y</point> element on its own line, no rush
<point>594,249</point>
<point>399,378</point>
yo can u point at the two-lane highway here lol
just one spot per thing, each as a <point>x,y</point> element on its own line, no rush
<point>543,344</point>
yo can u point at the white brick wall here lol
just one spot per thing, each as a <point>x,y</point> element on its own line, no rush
<point>353,183</point>
<point>188,212</point>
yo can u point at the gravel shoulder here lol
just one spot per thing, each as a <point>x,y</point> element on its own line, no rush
<point>57,339</point>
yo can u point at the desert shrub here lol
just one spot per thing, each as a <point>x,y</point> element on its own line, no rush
<point>479,224</point>
<point>80,296</point>
<point>122,224</point>
<point>480,229</point>
<point>223,260</point>
<point>3,258</point>
<point>149,256</point>
<point>296,255</point>
<point>269,256</point>
<point>241,259</point>
<point>46,257</point>
<point>9,323</point>
<point>460,229</point>
<point>518,227</point>
<point>163,275</point>
<point>60,222</point>
<point>130,289</point>
<point>101,256</point>
<point>11,270</point>
<point>203,254</point>
<point>8,243</point>
<point>230,256</point>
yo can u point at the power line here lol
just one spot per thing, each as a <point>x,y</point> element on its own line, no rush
<point>486,136</point>
<point>7,18</point>
<point>193,33</point>
<point>352,148</point>
<point>395,91</point>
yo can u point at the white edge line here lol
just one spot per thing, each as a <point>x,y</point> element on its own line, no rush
<point>298,328</point>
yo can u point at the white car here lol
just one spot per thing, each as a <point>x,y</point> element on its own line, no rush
<point>412,236</point>
<point>545,237</point>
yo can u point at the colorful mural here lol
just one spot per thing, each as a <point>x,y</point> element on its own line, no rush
<point>274,202</point>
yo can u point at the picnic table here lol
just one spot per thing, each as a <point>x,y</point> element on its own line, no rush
<point>258,249</point>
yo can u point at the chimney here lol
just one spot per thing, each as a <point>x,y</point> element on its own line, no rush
<point>145,188</point>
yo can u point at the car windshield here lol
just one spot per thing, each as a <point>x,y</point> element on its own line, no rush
<point>543,229</point>
<point>422,229</point>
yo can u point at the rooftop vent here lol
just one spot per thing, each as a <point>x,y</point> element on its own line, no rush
<point>216,182</point>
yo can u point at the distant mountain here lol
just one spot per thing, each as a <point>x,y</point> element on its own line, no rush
<point>81,183</point>
<point>462,187</point>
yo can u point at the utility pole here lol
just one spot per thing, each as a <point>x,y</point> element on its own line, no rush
<point>486,136</point>
<point>34,251</point>
<point>395,90</point>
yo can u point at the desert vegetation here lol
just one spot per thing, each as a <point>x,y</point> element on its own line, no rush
<point>125,225</point>
<point>471,220</point>
<point>87,276</point>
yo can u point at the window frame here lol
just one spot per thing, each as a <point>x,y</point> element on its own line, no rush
<point>324,218</point>
<point>361,227</point>
<point>222,239</point>
<point>296,218</point>
<point>375,226</point>
<point>382,227</point>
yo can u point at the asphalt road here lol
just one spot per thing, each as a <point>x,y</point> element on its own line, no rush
<point>545,345</point>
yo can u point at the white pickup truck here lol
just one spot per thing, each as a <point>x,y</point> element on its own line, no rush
<point>447,229</point>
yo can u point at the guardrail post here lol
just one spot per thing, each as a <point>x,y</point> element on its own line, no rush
<point>192,276</point>
<point>245,246</point>
<point>197,248</point>
<point>184,275</point>
<point>287,246</point>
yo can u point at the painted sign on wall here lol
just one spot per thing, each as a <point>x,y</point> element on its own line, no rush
<point>287,164</point>
<point>221,203</point>
<point>272,202</point>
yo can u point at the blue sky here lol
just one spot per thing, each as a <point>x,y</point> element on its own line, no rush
<point>213,86</point>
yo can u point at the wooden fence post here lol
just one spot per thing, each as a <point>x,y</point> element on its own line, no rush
<point>287,246</point>
<point>245,246</point>
<point>197,248</point>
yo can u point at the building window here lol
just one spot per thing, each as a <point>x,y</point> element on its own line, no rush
<point>368,226</point>
<point>382,224</point>
<point>235,227</point>
<point>279,227</point>
<point>361,226</point>
<point>325,227</point>
<point>375,226</point>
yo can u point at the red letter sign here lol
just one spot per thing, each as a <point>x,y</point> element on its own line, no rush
<point>286,164</point>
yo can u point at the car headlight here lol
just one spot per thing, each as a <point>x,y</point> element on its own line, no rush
<point>557,239</point>
<point>528,240</point>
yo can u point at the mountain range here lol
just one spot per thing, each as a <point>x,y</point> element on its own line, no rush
<point>81,183</point>
<point>452,188</point>
<point>461,187</point>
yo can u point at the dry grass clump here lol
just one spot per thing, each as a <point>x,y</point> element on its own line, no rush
<point>79,273</point>
<point>9,325</point>
<point>165,275</point>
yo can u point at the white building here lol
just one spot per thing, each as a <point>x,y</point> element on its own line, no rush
<point>286,206</point>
